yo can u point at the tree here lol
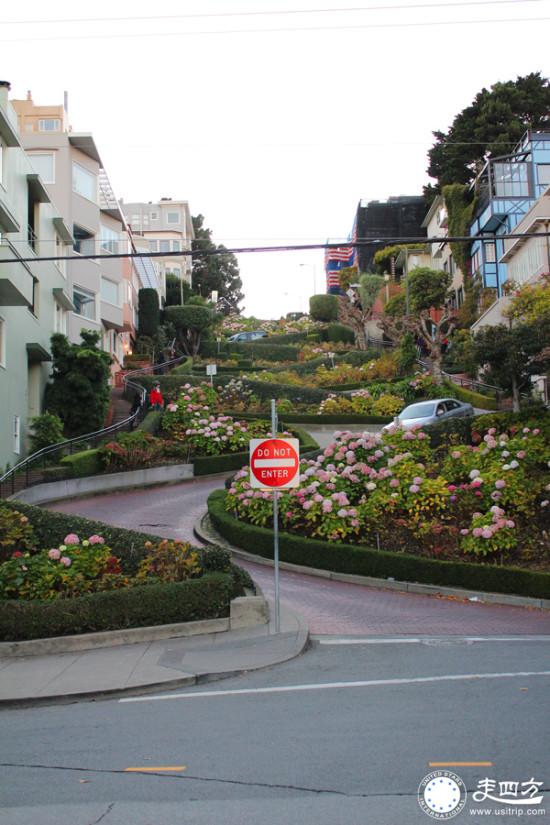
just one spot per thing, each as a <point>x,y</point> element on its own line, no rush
<point>190,322</point>
<point>511,355</point>
<point>323,308</point>
<point>148,312</point>
<point>175,290</point>
<point>79,391</point>
<point>215,273</point>
<point>492,125</point>
<point>406,354</point>
<point>432,319</point>
<point>357,310</point>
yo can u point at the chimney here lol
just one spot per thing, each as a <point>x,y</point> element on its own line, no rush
<point>29,95</point>
<point>4,89</point>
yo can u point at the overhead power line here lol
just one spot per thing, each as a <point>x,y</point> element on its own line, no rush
<point>359,244</point>
<point>272,13</point>
<point>282,30</point>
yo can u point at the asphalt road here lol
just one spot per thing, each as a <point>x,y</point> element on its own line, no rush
<point>329,607</point>
<point>296,744</point>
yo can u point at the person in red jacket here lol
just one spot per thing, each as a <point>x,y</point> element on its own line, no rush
<point>156,401</point>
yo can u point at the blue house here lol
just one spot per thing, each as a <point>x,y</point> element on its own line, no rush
<point>507,187</point>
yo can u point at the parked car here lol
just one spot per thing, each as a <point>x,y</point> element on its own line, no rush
<point>241,337</point>
<point>424,413</point>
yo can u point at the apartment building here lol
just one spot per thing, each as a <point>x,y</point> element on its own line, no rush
<point>103,291</point>
<point>436,225</point>
<point>163,227</point>
<point>35,296</point>
<point>506,189</point>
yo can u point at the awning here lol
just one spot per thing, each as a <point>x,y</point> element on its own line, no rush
<point>8,221</point>
<point>62,298</point>
<point>37,190</point>
<point>63,231</point>
<point>8,133</point>
<point>36,354</point>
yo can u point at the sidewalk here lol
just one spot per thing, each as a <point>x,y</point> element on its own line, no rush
<point>134,668</point>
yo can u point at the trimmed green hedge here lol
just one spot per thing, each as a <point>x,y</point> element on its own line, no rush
<point>207,597</point>
<point>299,418</point>
<point>85,463</point>
<point>476,399</point>
<point>323,307</point>
<point>267,351</point>
<point>183,368</point>
<point>366,561</point>
<point>336,333</point>
<point>268,389</point>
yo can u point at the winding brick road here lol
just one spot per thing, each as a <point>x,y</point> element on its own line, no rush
<point>329,607</point>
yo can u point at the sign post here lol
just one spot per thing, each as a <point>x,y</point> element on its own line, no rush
<point>211,370</point>
<point>274,466</point>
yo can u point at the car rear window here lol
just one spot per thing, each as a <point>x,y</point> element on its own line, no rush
<point>417,411</point>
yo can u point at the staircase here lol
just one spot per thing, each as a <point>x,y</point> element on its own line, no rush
<point>119,408</point>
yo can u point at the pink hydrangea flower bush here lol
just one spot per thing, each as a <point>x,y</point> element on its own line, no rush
<point>459,500</point>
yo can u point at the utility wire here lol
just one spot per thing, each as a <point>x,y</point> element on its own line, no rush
<point>273,13</point>
<point>357,27</point>
<point>359,244</point>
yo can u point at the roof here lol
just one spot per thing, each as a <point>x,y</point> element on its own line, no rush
<point>147,272</point>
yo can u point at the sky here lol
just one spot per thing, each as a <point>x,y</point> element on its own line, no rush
<point>272,125</point>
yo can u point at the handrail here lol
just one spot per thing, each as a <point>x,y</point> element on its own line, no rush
<point>61,446</point>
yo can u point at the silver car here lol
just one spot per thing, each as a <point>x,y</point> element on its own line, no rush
<point>424,413</point>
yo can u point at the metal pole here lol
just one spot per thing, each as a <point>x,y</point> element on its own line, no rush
<point>406,274</point>
<point>276,527</point>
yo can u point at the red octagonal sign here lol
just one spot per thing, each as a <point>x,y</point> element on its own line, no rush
<point>274,462</point>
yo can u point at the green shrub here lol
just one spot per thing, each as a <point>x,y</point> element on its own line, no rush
<point>323,307</point>
<point>16,533</point>
<point>85,463</point>
<point>183,368</point>
<point>366,561</point>
<point>338,333</point>
<point>207,597</point>
<point>47,429</point>
<point>148,312</point>
<point>357,357</point>
<point>151,423</point>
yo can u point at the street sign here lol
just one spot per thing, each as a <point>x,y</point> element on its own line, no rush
<point>274,463</point>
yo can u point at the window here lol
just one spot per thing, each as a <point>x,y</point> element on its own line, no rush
<point>165,246</point>
<point>154,216</point>
<point>543,174</point>
<point>176,271</point>
<point>44,164</point>
<point>2,343</point>
<point>172,217</point>
<point>490,252</point>
<point>109,291</point>
<point>83,241</point>
<point>84,302</point>
<point>108,240</point>
<point>135,221</point>
<point>16,434</point>
<point>475,262</point>
<point>49,124</point>
<point>84,182</point>
<point>510,179</point>
<point>153,246</point>
<point>176,246</point>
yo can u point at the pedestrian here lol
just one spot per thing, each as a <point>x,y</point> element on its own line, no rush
<point>156,401</point>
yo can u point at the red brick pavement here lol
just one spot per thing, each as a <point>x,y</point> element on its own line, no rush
<point>329,607</point>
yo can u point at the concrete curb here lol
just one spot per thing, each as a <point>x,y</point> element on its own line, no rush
<point>204,531</point>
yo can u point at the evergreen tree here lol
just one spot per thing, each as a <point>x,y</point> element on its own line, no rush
<point>215,273</point>
<point>79,392</point>
<point>494,122</point>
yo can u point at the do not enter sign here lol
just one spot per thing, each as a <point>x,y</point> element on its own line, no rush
<point>274,462</point>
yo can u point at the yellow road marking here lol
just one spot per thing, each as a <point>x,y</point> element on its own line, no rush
<point>163,769</point>
<point>460,764</point>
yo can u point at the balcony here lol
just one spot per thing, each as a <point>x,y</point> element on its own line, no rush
<point>16,279</point>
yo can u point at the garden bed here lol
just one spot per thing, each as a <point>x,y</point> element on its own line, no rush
<point>368,561</point>
<point>75,597</point>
